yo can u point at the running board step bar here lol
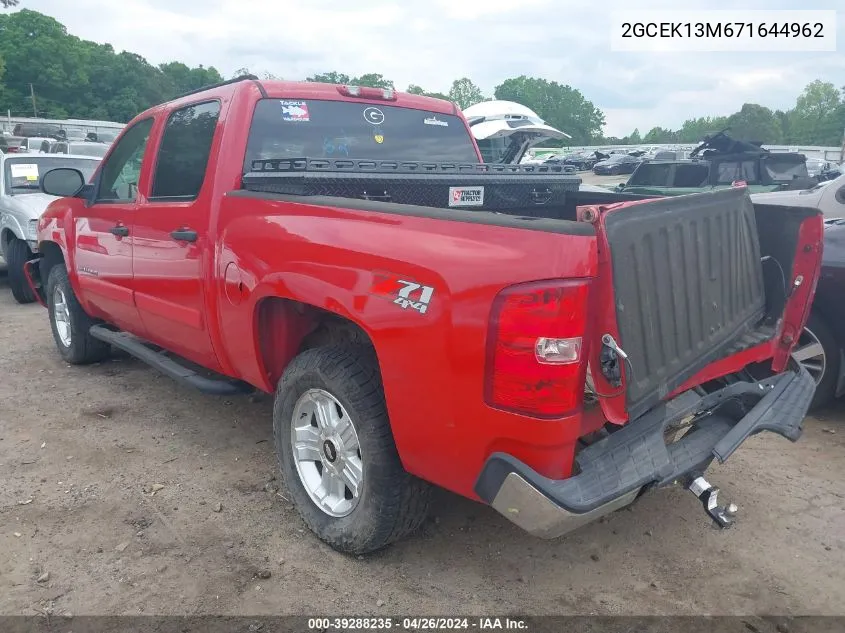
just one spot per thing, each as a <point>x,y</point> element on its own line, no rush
<point>139,349</point>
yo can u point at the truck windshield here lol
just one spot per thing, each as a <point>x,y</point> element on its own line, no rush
<point>314,128</point>
<point>23,175</point>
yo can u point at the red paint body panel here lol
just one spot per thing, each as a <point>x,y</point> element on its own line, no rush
<point>435,361</point>
<point>241,298</point>
<point>807,265</point>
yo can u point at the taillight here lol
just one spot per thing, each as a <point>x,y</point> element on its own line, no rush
<point>536,361</point>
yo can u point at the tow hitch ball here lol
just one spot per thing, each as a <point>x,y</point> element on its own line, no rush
<point>723,516</point>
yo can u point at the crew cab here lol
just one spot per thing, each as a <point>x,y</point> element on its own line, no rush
<point>423,318</point>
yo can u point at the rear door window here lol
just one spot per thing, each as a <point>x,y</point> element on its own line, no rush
<point>297,128</point>
<point>185,149</point>
<point>691,175</point>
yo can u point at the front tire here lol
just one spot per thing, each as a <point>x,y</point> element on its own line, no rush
<point>17,255</point>
<point>70,323</point>
<point>337,454</point>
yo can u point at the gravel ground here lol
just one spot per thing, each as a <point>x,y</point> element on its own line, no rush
<point>125,493</point>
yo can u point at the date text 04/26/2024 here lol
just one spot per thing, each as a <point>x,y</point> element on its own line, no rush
<point>713,31</point>
<point>418,624</point>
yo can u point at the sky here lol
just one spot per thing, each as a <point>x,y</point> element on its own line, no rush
<point>433,42</point>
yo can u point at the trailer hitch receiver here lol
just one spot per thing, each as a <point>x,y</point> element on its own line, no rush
<point>723,516</point>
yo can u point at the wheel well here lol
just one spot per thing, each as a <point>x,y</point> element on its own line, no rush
<point>51,254</point>
<point>286,328</point>
<point>6,237</point>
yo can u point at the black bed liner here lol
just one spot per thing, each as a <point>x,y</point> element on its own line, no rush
<point>689,287</point>
<point>432,184</point>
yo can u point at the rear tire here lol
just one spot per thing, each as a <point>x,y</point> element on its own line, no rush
<point>389,503</point>
<point>17,255</point>
<point>829,364</point>
<point>70,323</point>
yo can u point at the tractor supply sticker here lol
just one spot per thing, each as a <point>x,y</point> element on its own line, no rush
<point>402,291</point>
<point>433,120</point>
<point>466,196</point>
<point>374,116</point>
<point>295,111</point>
<point>29,171</point>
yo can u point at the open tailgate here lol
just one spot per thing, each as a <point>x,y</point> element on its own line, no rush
<point>681,287</point>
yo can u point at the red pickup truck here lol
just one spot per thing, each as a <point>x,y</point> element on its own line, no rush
<point>423,318</point>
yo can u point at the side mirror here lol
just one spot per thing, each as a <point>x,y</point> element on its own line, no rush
<point>64,182</point>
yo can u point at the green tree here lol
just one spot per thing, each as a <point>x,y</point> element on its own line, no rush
<point>635,138</point>
<point>372,80</point>
<point>784,120</point>
<point>660,135</point>
<point>418,90</point>
<point>815,120</point>
<point>694,130</point>
<point>756,123</point>
<point>560,106</point>
<point>465,93</point>
<point>332,77</point>
<point>184,79</point>
<point>8,3</point>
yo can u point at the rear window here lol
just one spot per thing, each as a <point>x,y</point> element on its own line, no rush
<point>297,128</point>
<point>654,175</point>
<point>785,169</point>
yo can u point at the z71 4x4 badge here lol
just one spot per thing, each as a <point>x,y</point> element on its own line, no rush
<point>402,291</point>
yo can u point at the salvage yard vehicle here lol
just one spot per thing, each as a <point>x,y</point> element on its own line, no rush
<point>718,163</point>
<point>504,130</point>
<point>21,204</point>
<point>423,318</point>
<point>616,164</point>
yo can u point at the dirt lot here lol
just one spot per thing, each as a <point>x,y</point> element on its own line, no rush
<point>81,448</point>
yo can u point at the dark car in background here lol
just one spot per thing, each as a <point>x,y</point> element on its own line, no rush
<point>582,161</point>
<point>48,130</point>
<point>616,164</point>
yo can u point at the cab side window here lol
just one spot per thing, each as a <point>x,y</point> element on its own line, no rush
<point>185,149</point>
<point>119,179</point>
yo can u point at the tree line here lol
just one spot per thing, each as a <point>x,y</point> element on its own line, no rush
<point>75,78</point>
<point>818,118</point>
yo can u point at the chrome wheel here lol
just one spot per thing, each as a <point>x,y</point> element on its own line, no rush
<point>810,353</point>
<point>61,315</point>
<point>327,453</point>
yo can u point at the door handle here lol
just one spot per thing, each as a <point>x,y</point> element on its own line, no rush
<point>119,230</point>
<point>184,235</point>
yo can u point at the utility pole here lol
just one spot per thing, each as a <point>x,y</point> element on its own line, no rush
<point>34,109</point>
